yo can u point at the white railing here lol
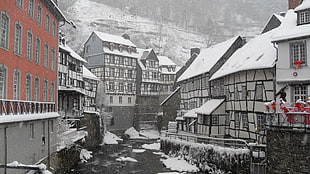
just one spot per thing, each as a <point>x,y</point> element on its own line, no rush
<point>15,107</point>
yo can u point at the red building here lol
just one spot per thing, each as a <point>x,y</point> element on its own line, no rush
<point>28,80</point>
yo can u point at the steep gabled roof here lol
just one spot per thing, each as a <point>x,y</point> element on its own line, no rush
<point>89,75</point>
<point>289,28</point>
<point>207,59</point>
<point>258,53</point>
<point>114,39</point>
<point>72,53</point>
<point>164,60</point>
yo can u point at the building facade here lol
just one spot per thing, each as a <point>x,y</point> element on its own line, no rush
<point>147,101</point>
<point>28,80</point>
<point>113,59</point>
<point>194,82</point>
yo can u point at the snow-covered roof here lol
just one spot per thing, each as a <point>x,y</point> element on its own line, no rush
<point>121,53</point>
<point>209,107</point>
<point>60,14</point>
<point>27,117</point>
<point>114,39</point>
<point>89,75</point>
<point>258,53</point>
<point>191,113</point>
<point>72,53</point>
<point>304,5</point>
<point>289,28</point>
<point>164,60</point>
<point>167,98</point>
<point>143,53</point>
<point>207,59</point>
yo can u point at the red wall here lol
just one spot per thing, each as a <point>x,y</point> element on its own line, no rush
<point>13,61</point>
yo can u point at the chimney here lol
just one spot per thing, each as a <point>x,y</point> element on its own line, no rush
<point>195,50</point>
<point>292,4</point>
<point>126,36</point>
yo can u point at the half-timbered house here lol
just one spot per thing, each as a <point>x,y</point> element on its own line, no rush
<point>194,82</point>
<point>248,84</point>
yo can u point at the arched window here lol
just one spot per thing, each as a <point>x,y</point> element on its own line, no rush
<point>3,81</point>
<point>4,30</point>
<point>18,39</point>
<point>36,89</point>
<point>16,85</point>
<point>28,86</point>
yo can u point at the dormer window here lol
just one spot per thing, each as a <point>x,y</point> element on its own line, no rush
<point>111,46</point>
<point>121,48</point>
<point>304,17</point>
<point>129,49</point>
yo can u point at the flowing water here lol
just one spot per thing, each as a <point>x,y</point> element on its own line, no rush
<point>104,160</point>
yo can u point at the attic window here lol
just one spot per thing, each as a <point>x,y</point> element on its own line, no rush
<point>121,48</point>
<point>129,49</point>
<point>111,46</point>
<point>304,17</point>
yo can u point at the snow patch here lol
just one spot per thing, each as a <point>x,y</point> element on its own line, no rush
<point>133,133</point>
<point>85,155</point>
<point>128,159</point>
<point>179,165</point>
<point>110,138</point>
<point>154,146</point>
<point>138,150</point>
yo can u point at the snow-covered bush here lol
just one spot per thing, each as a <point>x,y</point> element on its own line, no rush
<point>209,158</point>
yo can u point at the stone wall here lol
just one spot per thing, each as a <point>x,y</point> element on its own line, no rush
<point>288,151</point>
<point>209,158</point>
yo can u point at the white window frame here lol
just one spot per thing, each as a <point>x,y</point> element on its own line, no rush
<point>298,52</point>
<point>38,50</point>
<point>45,90</point>
<point>53,61</point>
<point>20,3</point>
<point>3,81</point>
<point>16,84</point>
<point>47,22</point>
<point>29,46</point>
<point>46,48</point>
<point>299,92</point>
<point>37,88</point>
<point>39,15</point>
<point>4,30</point>
<point>18,35</point>
<point>28,87</point>
<point>31,8</point>
<point>52,92</point>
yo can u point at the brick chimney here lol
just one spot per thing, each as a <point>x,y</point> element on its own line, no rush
<point>292,4</point>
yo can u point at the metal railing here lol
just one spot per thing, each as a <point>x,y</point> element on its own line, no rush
<point>289,120</point>
<point>223,142</point>
<point>16,107</point>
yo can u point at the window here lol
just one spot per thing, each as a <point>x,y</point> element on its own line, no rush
<point>20,3</point>
<point>39,15</point>
<point>120,100</point>
<point>45,87</point>
<point>299,92</point>
<point>18,39</point>
<point>53,61</point>
<point>38,50</point>
<point>30,8</point>
<point>16,85</point>
<point>261,120</point>
<point>52,91</point>
<point>4,30</point>
<point>111,86</point>
<point>129,100</point>
<point>129,74</point>
<point>29,45</point>
<point>298,52</point>
<point>121,87</point>
<point>244,93</point>
<point>28,87</point>
<point>111,99</point>
<point>245,122</point>
<point>237,120</point>
<point>31,130</point>
<point>47,23</point>
<point>52,125</point>
<point>121,60</point>
<point>3,81</point>
<point>46,55</point>
<point>54,29</point>
<point>43,133</point>
<point>36,89</point>
<point>215,120</point>
<point>259,93</point>
<point>304,17</point>
<point>129,87</point>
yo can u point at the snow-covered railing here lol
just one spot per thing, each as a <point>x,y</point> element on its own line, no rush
<point>40,169</point>
<point>15,107</point>
<point>296,116</point>
<point>223,142</point>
